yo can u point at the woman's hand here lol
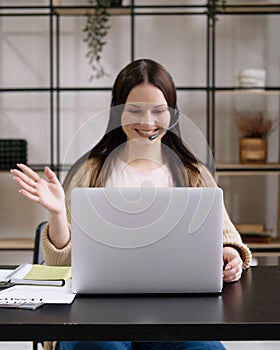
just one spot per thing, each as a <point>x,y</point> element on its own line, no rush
<point>232,264</point>
<point>47,192</point>
<point>50,194</point>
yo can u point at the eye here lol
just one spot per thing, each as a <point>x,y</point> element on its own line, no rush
<point>134,111</point>
<point>159,111</point>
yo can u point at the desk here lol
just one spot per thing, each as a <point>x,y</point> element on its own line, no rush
<point>246,310</point>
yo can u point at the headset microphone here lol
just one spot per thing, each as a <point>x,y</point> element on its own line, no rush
<point>153,137</point>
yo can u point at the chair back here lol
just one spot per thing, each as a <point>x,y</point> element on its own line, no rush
<point>38,256</point>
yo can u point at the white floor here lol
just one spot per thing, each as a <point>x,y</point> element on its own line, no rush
<point>240,345</point>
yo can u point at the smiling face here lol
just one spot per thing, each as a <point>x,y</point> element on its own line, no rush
<point>146,113</point>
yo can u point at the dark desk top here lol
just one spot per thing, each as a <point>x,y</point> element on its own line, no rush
<point>246,310</point>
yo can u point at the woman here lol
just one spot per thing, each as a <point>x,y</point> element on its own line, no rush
<point>137,146</point>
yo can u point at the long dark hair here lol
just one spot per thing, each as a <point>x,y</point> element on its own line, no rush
<point>139,72</point>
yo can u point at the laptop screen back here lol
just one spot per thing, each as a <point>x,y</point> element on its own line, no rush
<point>147,240</point>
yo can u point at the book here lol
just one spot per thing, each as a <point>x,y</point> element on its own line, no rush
<point>256,238</point>
<point>250,228</point>
<point>31,297</point>
<point>35,274</point>
<point>254,233</point>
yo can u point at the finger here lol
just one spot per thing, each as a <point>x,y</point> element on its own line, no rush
<point>232,261</point>
<point>23,177</point>
<point>232,274</point>
<point>50,175</point>
<point>29,172</point>
<point>28,195</point>
<point>25,186</point>
<point>233,266</point>
<point>233,277</point>
<point>231,280</point>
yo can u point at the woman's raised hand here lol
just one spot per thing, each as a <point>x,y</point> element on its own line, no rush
<point>47,192</point>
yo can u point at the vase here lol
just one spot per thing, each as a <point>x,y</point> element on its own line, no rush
<point>253,150</point>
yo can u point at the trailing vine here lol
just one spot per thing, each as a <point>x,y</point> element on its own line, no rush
<point>95,30</point>
<point>213,7</point>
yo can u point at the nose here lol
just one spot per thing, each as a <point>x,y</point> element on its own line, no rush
<point>147,118</point>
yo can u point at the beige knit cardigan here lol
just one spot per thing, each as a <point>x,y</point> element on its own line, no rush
<point>231,237</point>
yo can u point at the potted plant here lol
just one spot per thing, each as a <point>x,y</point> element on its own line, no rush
<point>213,7</point>
<point>95,30</point>
<point>254,128</point>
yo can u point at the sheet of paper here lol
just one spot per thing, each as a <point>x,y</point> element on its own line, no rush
<point>4,273</point>
<point>47,295</point>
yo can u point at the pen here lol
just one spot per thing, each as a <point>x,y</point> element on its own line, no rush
<point>5,285</point>
<point>10,275</point>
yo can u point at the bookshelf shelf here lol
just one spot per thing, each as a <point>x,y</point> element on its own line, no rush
<point>238,169</point>
<point>17,244</point>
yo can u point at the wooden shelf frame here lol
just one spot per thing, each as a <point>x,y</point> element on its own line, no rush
<point>253,7</point>
<point>238,169</point>
<point>263,250</point>
<point>248,91</point>
<point>17,244</point>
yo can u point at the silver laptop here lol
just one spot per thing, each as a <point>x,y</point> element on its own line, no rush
<point>147,240</point>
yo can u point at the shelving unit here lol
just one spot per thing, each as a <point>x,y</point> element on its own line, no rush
<point>55,11</point>
<point>227,170</point>
<point>260,250</point>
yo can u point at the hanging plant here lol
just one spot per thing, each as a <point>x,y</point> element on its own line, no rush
<point>95,30</point>
<point>213,7</point>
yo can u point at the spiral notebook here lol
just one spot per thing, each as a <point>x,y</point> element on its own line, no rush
<point>31,297</point>
<point>36,274</point>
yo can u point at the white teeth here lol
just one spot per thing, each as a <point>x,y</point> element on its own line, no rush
<point>145,132</point>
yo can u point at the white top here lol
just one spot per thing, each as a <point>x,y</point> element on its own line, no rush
<point>125,175</point>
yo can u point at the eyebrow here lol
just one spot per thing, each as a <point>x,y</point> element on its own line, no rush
<point>162,105</point>
<point>138,106</point>
<point>132,105</point>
